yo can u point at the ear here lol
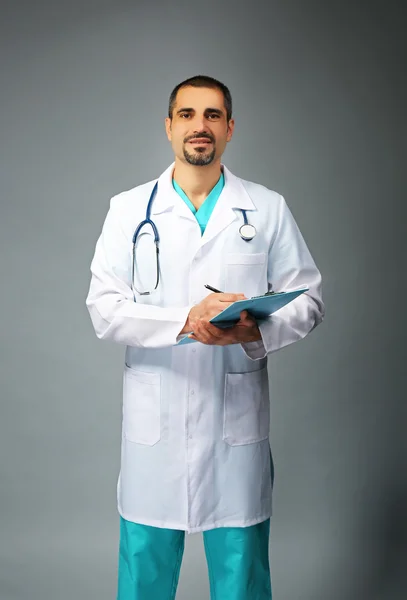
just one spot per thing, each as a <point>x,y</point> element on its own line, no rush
<point>168,122</point>
<point>231,128</point>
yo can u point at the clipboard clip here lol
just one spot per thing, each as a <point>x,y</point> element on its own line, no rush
<point>266,294</point>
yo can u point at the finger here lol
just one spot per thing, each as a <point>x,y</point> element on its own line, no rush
<point>215,335</point>
<point>203,327</point>
<point>230,297</point>
<point>245,319</point>
<point>212,335</point>
<point>237,335</point>
<point>202,334</point>
<point>212,329</point>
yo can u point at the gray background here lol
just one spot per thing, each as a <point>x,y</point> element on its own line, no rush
<point>319,99</point>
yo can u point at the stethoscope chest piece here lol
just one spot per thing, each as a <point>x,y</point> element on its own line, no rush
<point>247,232</point>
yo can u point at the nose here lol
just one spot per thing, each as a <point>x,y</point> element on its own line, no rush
<point>199,124</point>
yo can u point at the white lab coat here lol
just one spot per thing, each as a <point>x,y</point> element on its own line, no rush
<point>195,449</point>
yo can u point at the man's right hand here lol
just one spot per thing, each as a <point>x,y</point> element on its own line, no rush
<point>209,307</point>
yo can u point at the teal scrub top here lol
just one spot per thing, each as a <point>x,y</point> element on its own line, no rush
<point>205,210</point>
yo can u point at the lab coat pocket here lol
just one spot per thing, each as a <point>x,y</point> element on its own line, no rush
<point>141,406</point>
<point>246,273</point>
<point>247,407</point>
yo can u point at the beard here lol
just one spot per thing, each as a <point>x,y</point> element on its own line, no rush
<point>200,158</point>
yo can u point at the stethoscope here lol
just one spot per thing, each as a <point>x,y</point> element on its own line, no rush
<point>246,231</point>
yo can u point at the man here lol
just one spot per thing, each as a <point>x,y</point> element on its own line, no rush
<point>195,450</point>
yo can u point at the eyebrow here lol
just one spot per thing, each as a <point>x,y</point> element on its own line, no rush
<point>212,110</point>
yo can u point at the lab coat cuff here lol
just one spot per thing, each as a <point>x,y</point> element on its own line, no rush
<point>256,350</point>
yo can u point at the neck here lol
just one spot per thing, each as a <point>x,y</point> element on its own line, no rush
<point>196,182</point>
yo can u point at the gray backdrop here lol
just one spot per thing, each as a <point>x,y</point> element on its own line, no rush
<point>319,99</point>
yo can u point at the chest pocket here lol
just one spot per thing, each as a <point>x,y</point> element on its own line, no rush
<point>246,273</point>
<point>141,406</point>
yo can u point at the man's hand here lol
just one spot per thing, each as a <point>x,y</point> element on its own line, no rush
<point>246,330</point>
<point>209,307</point>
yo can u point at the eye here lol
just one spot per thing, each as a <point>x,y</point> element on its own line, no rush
<point>184,115</point>
<point>213,116</point>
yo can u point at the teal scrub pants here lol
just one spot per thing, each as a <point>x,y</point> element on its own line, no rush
<point>237,558</point>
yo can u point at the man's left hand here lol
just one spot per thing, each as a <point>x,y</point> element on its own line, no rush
<point>246,330</point>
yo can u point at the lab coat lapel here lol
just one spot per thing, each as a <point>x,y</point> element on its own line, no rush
<point>232,199</point>
<point>168,199</point>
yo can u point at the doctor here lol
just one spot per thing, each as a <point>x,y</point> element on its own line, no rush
<point>195,452</point>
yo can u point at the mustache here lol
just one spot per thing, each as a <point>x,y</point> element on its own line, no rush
<point>205,136</point>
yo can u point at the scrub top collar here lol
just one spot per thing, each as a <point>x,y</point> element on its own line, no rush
<point>205,210</point>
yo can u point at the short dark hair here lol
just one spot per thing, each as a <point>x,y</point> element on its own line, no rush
<point>207,82</point>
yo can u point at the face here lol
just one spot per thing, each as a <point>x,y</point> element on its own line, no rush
<point>199,130</point>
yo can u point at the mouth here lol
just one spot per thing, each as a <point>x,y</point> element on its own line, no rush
<point>200,142</point>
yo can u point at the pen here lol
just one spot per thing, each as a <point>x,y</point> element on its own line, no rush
<point>209,287</point>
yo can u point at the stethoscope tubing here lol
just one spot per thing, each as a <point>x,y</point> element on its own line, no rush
<point>246,231</point>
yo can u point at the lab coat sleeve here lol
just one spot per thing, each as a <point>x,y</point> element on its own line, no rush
<point>114,314</point>
<point>290,267</point>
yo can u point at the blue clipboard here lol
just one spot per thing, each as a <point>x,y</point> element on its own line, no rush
<point>259,307</point>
